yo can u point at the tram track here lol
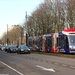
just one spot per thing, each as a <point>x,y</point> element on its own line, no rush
<point>56,54</point>
<point>43,60</point>
<point>48,62</point>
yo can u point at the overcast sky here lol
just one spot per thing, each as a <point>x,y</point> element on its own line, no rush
<point>13,12</point>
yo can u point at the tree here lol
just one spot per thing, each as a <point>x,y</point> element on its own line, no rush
<point>51,16</point>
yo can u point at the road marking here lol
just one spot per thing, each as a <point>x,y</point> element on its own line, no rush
<point>56,63</point>
<point>64,65</point>
<point>11,68</point>
<point>47,69</point>
<point>72,67</point>
<point>49,62</point>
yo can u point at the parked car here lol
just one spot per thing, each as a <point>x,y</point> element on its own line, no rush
<point>11,49</point>
<point>30,47</point>
<point>2,48</point>
<point>23,49</point>
<point>6,48</point>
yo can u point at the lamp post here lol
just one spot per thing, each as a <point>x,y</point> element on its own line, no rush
<point>26,30</point>
<point>7,34</point>
<point>21,35</point>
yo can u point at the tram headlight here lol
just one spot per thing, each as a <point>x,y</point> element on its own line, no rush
<point>71,47</point>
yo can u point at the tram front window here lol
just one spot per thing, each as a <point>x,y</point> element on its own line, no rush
<point>72,39</point>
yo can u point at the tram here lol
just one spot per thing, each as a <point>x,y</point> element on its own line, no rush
<point>35,43</point>
<point>64,41</point>
<point>41,43</point>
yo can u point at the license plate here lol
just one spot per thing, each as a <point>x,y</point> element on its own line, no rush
<point>26,51</point>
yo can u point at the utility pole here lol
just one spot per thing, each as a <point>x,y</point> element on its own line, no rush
<point>26,30</point>
<point>21,34</point>
<point>7,34</point>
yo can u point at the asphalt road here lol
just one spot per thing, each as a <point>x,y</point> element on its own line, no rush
<point>35,64</point>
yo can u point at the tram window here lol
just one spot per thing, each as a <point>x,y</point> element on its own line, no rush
<point>49,42</point>
<point>57,41</point>
<point>66,41</point>
<point>60,42</point>
<point>37,42</point>
<point>40,43</point>
<point>30,43</point>
<point>33,42</point>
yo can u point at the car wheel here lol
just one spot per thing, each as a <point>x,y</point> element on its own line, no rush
<point>10,51</point>
<point>7,51</point>
<point>18,52</point>
<point>29,52</point>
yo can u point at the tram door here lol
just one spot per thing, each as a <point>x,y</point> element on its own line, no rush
<point>48,44</point>
<point>63,44</point>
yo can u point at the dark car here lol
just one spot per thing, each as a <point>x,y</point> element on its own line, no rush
<point>2,48</point>
<point>23,49</point>
<point>6,48</point>
<point>12,49</point>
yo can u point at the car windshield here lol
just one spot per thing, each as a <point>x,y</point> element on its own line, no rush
<point>24,47</point>
<point>72,39</point>
<point>12,47</point>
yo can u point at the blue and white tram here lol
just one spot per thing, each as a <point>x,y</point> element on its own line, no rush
<point>66,41</point>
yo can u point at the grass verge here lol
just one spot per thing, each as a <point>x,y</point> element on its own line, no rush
<point>56,54</point>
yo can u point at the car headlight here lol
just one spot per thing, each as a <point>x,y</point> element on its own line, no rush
<point>29,49</point>
<point>71,47</point>
<point>22,49</point>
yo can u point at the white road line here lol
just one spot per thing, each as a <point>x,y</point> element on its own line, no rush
<point>46,69</point>
<point>11,68</point>
<point>72,67</point>
<point>64,65</point>
<point>56,63</point>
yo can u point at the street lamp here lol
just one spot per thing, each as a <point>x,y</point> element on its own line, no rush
<point>26,30</point>
<point>7,34</point>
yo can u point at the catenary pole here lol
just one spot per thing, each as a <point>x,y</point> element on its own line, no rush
<point>7,34</point>
<point>26,30</point>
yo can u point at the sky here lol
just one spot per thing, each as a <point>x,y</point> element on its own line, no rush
<point>13,12</point>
